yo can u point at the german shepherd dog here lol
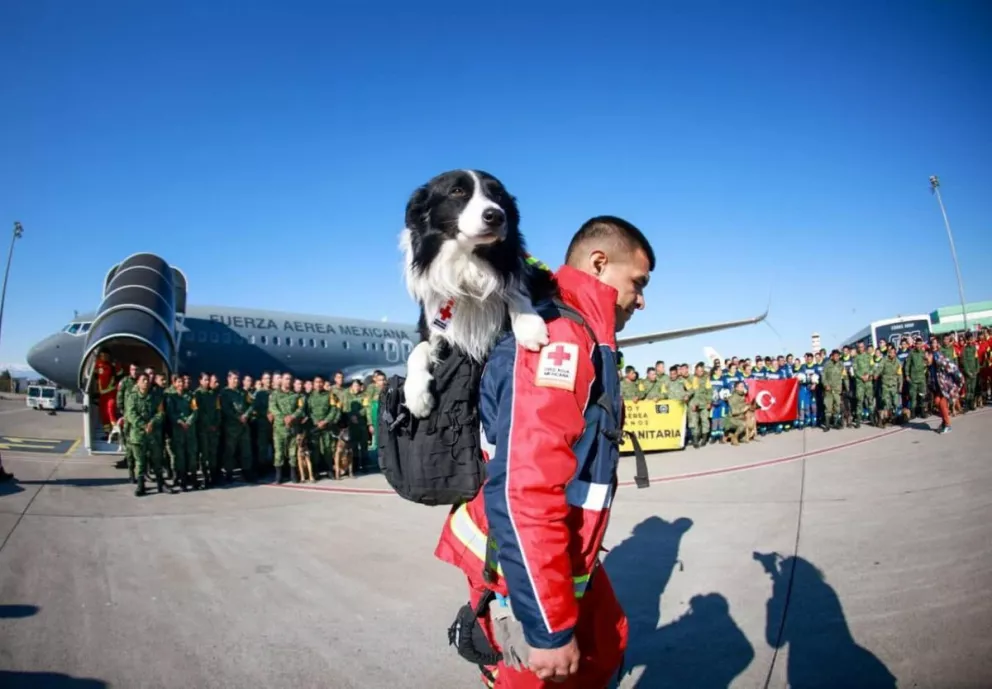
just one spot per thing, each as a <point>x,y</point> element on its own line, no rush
<point>303,457</point>
<point>343,455</point>
<point>750,423</point>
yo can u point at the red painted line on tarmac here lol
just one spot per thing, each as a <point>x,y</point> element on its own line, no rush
<point>770,462</point>
<point>665,479</point>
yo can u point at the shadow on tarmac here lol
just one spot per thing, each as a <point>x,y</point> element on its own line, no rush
<point>822,651</point>
<point>704,648</point>
<point>47,680</point>
<point>9,612</point>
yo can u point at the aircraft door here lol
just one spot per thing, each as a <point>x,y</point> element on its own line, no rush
<point>392,351</point>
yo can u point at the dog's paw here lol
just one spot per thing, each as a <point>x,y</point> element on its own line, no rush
<point>530,330</point>
<point>419,399</point>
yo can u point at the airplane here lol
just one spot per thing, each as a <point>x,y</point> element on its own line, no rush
<point>144,319</point>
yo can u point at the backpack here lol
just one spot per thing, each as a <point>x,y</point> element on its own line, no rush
<point>438,460</point>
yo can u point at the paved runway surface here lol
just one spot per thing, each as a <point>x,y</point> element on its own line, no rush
<point>252,586</point>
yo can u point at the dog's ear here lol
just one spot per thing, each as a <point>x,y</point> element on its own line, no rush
<point>416,207</point>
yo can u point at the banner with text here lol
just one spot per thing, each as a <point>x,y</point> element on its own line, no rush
<point>658,425</point>
<point>777,400</point>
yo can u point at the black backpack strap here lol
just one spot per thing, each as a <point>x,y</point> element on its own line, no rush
<point>557,308</point>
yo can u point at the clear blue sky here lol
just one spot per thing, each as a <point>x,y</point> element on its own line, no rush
<point>269,152</point>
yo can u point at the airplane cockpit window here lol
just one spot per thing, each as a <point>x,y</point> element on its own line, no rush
<point>74,328</point>
<point>85,328</point>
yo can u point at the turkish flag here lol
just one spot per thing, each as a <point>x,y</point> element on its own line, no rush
<point>777,400</point>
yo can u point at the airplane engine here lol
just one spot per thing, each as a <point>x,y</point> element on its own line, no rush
<point>136,321</point>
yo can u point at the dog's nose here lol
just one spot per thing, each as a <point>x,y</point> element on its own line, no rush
<point>493,216</point>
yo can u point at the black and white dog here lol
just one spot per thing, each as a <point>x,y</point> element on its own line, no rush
<point>467,267</point>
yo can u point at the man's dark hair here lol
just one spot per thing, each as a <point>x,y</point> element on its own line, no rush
<point>611,227</point>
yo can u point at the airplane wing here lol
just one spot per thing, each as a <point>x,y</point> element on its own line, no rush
<point>624,342</point>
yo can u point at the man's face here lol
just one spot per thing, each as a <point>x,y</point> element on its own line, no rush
<point>286,383</point>
<point>132,371</point>
<point>232,380</point>
<point>652,374</point>
<point>308,387</point>
<point>247,383</point>
<point>339,379</point>
<point>318,383</point>
<point>214,382</point>
<point>179,385</point>
<point>628,276</point>
<point>142,383</point>
<point>892,353</point>
<point>266,380</point>
<point>297,385</point>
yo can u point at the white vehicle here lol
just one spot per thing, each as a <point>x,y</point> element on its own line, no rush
<point>46,397</point>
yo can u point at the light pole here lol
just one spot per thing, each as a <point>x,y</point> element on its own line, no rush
<point>18,231</point>
<point>935,189</point>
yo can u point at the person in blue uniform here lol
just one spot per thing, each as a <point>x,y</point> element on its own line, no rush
<point>719,402</point>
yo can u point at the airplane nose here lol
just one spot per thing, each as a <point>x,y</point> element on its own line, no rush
<point>36,357</point>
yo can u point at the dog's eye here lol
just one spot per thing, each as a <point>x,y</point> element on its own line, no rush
<point>458,192</point>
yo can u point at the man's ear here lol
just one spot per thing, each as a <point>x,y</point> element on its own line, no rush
<point>599,261</point>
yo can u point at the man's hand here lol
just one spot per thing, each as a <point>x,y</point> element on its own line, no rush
<point>322,424</point>
<point>555,664</point>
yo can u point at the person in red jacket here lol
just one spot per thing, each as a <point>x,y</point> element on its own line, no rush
<point>552,422</point>
<point>107,389</point>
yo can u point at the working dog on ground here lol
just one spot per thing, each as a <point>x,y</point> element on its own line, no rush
<point>303,458</point>
<point>750,423</point>
<point>467,267</point>
<point>343,455</point>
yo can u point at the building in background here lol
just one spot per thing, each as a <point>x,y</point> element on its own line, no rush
<point>948,319</point>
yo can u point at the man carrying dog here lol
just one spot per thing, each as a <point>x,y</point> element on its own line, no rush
<point>533,533</point>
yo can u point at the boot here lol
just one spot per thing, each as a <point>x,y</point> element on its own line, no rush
<point>278,479</point>
<point>130,474</point>
<point>184,481</point>
<point>168,472</point>
<point>140,490</point>
<point>159,482</point>
<point>179,482</point>
<point>293,476</point>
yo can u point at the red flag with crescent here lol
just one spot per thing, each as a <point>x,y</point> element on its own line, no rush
<point>777,401</point>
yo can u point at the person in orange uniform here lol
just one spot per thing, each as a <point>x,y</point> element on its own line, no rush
<point>107,388</point>
<point>532,535</point>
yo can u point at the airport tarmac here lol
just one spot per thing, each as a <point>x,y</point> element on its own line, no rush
<point>887,577</point>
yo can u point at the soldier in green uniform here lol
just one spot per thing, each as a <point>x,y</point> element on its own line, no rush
<point>650,388</point>
<point>833,384</point>
<point>353,411</point>
<point>733,424</point>
<point>181,410</point>
<point>969,368</point>
<point>168,457</point>
<point>372,393</point>
<point>207,428</point>
<point>947,349</point>
<point>144,415</point>
<point>248,387</point>
<point>339,390</point>
<point>124,389</point>
<point>700,401</point>
<point>628,385</point>
<point>862,385</point>
<point>263,426</point>
<point>323,413</point>
<point>663,378</point>
<point>890,380</point>
<point>287,410</point>
<point>915,371</point>
<point>157,388</point>
<point>234,408</point>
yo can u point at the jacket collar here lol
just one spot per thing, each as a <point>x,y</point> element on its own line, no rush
<point>596,301</point>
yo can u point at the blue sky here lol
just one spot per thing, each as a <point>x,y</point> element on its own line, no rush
<point>269,151</point>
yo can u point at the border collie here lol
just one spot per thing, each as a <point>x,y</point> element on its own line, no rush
<point>467,267</point>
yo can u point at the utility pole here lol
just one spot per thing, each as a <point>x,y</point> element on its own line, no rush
<point>935,189</point>
<point>18,232</point>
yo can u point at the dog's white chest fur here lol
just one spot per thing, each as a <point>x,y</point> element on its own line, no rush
<point>479,301</point>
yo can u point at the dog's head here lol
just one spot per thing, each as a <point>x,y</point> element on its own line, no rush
<point>460,216</point>
<point>344,436</point>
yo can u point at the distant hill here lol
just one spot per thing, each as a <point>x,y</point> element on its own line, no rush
<point>20,371</point>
